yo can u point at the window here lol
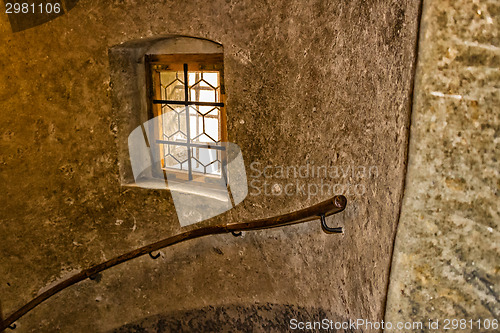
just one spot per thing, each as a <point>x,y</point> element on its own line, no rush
<point>168,98</point>
<point>186,96</point>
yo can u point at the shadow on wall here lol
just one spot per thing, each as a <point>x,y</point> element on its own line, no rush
<point>239,318</point>
<point>37,14</point>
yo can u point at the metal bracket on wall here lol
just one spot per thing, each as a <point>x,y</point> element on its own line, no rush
<point>321,210</point>
<point>154,256</point>
<point>326,228</point>
<point>337,230</point>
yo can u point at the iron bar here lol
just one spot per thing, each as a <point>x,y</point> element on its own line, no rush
<point>188,127</point>
<point>187,102</point>
<point>197,145</point>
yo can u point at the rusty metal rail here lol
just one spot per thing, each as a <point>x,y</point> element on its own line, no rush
<point>318,211</point>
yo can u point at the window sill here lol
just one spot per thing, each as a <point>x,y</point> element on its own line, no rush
<point>199,189</point>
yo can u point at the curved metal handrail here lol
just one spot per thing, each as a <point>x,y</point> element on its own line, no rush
<point>320,210</point>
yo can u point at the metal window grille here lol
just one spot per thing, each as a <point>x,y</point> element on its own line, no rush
<point>182,102</point>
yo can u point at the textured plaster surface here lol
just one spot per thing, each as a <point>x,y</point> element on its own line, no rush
<point>307,82</point>
<point>446,262</point>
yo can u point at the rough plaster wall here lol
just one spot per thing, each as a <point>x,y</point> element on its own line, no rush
<point>307,82</point>
<point>447,248</point>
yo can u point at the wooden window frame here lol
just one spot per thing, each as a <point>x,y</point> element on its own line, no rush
<point>190,63</point>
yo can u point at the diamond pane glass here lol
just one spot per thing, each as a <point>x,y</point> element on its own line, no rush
<point>172,85</point>
<point>170,162</point>
<point>170,121</point>
<point>205,160</point>
<point>203,87</point>
<point>212,128</point>
<point>174,156</point>
<point>172,130</point>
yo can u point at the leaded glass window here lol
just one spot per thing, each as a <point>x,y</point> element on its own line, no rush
<point>187,96</point>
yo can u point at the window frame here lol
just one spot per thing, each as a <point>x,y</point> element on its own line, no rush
<point>189,62</point>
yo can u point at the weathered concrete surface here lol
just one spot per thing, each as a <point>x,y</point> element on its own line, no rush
<point>446,262</point>
<point>307,82</point>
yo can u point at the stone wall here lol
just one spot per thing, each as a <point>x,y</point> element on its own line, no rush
<point>447,248</point>
<point>308,83</point>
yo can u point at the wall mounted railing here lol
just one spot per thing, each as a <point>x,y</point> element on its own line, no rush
<point>318,211</point>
